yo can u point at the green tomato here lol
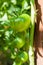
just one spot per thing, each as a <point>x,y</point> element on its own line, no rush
<point>21,23</point>
<point>17,63</point>
<point>22,56</point>
<point>18,42</point>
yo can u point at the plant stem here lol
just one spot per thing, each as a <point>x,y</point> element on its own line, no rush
<point>31,51</point>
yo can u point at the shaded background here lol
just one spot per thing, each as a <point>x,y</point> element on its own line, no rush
<point>39,33</point>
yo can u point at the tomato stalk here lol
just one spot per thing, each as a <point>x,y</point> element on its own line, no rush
<point>31,51</point>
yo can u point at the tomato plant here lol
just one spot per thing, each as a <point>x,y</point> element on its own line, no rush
<point>15,24</point>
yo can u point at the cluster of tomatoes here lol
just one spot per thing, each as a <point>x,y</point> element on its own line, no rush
<point>14,37</point>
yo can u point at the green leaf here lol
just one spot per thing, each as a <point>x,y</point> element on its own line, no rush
<point>14,2</point>
<point>4,18</point>
<point>25,5</point>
